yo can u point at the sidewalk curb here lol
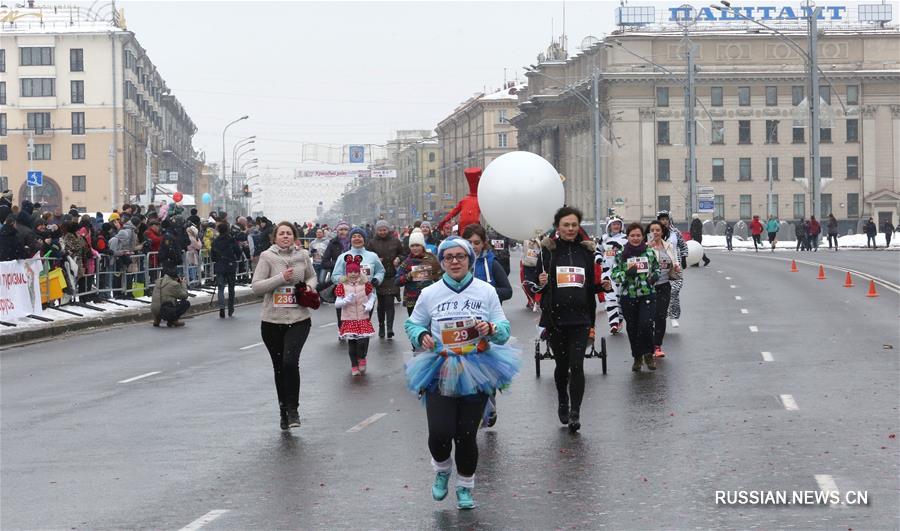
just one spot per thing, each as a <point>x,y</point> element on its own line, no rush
<point>132,315</point>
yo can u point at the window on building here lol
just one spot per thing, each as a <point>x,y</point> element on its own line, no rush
<point>799,167</point>
<point>76,60</point>
<point>852,94</point>
<point>79,183</point>
<point>773,205</point>
<point>772,131</point>
<point>662,170</point>
<point>825,167</point>
<point>772,168</point>
<point>77,123</point>
<point>4,182</point>
<point>743,131</point>
<point>718,169</point>
<point>771,96</point>
<point>2,64</point>
<point>2,92</point>
<point>501,116</point>
<point>431,157</point>
<point>853,167</point>
<point>431,174</point>
<point>3,124</point>
<point>41,152</point>
<point>825,205</point>
<point>825,93</point>
<point>665,202</point>
<point>662,96</point>
<point>852,205</point>
<point>38,122</point>
<point>797,94</point>
<point>501,140</point>
<point>662,133</point>
<point>825,135</point>
<point>3,155</point>
<point>798,134</point>
<point>77,91</point>
<point>852,130</point>
<point>717,132</point>
<point>744,169</point>
<point>35,87</point>
<point>744,96</point>
<point>746,206</point>
<point>36,56</point>
<point>719,207</point>
<point>79,152</point>
<point>799,206</point>
<point>715,96</point>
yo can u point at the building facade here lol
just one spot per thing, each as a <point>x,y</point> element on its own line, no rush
<point>477,132</point>
<point>78,86</point>
<point>751,120</point>
<point>417,181</point>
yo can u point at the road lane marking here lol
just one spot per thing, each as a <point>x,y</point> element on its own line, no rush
<point>827,484</point>
<point>327,325</point>
<point>789,403</point>
<point>139,377</point>
<point>745,310</point>
<point>738,298</point>
<point>203,520</point>
<point>718,271</point>
<point>727,278</point>
<point>252,346</point>
<point>371,420</point>
<point>732,286</point>
<point>754,328</point>
<point>767,356</point>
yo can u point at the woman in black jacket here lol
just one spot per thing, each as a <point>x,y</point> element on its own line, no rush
<point>225,255</point>
<point>568,305</point>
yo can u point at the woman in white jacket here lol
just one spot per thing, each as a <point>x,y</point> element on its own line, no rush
<point>669,269</point>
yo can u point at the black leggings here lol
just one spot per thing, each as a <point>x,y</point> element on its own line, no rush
<point>454,419</point>
<point>663,294</point>
<point>359,349</point>
<point>285,341</point>
<point>222,280</point>
<point>639,315</point>
<point>756,241</point>
<point>386,310</point>
<point>568,345</point>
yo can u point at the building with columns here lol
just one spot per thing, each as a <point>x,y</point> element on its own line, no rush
<point>751,120</point>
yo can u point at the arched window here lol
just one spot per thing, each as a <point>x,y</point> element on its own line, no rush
<point>47,195</point>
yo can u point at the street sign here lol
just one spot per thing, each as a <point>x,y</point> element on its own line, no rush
<point>35,178</point>
<point>357,154</point>
<point>706,200</point>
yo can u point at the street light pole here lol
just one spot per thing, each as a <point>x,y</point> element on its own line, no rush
<point>690,126</point>
<point>595,118</point>
<point>244,117</point>
<point>816,187</point>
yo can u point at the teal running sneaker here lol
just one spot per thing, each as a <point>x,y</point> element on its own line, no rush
<point>439,489</point>
<point>464,499</point>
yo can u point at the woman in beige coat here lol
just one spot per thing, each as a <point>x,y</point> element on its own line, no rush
<point>284,268</point>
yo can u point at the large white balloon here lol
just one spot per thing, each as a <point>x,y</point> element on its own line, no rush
<point>519,193</point>
<point>695,252</point>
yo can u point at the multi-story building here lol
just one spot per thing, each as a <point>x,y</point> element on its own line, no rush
<point>751,119</point>
<point>477,132</point>
<point>79,86</point>
<point>417,182</point>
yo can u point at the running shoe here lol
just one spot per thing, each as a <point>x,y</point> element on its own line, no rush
<point>439,489</point>
<point>658,352</point>
<point>636,366</point>
<point>650,362</point>
<point>563,412</point>
<point>574,421</point>
<point>362,366</point>
<point>675,323</point>
<point>293,418</point>
<point>464,499</point>
<point>354,371</point>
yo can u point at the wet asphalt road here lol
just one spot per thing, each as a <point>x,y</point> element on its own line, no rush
<point>82,451</point>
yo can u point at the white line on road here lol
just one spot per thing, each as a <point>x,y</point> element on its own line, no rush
<point>826,484</point>
<point>732,286</point>
<point>203,520</point>
<point>727,278</point>
<point>139,377</point>
<point>767,356</point>
<point>789,403</point>
<point>745,310</point>
<point>718,271</point>
<point>371,420</point>
<point>738,298</point>
<point>251,346</point>
<point>327,325</point>
<point>754,328</point>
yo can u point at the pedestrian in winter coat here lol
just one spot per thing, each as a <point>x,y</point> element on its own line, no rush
<point>317,249</point>
<point>772,226</point>
<point>871,231</point>
<point>813,231</point>
<point>800,233</point>
<point>169,301</point>
<point>487,267</point>
<point>888,230</point>
<point>11,247</point>
<point>338,245</point>
<point>155,237</point>
<point>417,271</point>
<point>390,251</point>
<point>832,231</point>
<point>499,245</point>
<point>370,264</point>
<point>697,235</point>
<point>756,229</point>
<point>729,234</point>
<point>226,253</point>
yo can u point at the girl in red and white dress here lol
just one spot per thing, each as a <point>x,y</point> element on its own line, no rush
<point>356,298</point>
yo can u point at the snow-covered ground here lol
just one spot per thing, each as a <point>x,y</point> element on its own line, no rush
<point>851,241</point>
<point>131,306</point>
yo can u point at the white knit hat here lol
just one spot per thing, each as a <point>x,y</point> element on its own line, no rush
<point>416,238</point>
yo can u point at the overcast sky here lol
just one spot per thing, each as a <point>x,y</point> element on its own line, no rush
<point>342,72</point>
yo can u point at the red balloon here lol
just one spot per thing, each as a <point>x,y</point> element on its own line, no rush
<point>177,196</point>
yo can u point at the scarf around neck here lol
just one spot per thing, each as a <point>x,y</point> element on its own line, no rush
<point>633,250</point>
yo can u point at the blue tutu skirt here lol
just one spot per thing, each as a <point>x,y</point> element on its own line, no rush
<point>461,375</point>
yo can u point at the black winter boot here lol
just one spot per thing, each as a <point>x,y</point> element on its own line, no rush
<point>284,419</point>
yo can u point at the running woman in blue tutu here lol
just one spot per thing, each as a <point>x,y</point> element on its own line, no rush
<point>459,324</point>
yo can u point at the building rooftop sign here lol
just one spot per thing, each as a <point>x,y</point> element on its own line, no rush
<point>637,16</point>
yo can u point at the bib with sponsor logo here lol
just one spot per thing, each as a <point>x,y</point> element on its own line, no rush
<point>459,336</point>
<point>643,265</point>
<point>569,277</point>
<point>532,252</point>
<point>284,297</point>
<point>498,244</point>
<point>421,272</point>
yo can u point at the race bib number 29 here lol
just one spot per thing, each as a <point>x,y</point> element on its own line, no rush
<point>459,336</point>
<point>569,277</point>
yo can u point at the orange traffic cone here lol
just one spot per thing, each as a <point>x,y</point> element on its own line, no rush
<point>872,292</point>
<point>821,273</point>
<point>848,283</point>
<point>794,266</point>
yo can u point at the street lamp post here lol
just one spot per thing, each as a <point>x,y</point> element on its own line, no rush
<point>244,117</point>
